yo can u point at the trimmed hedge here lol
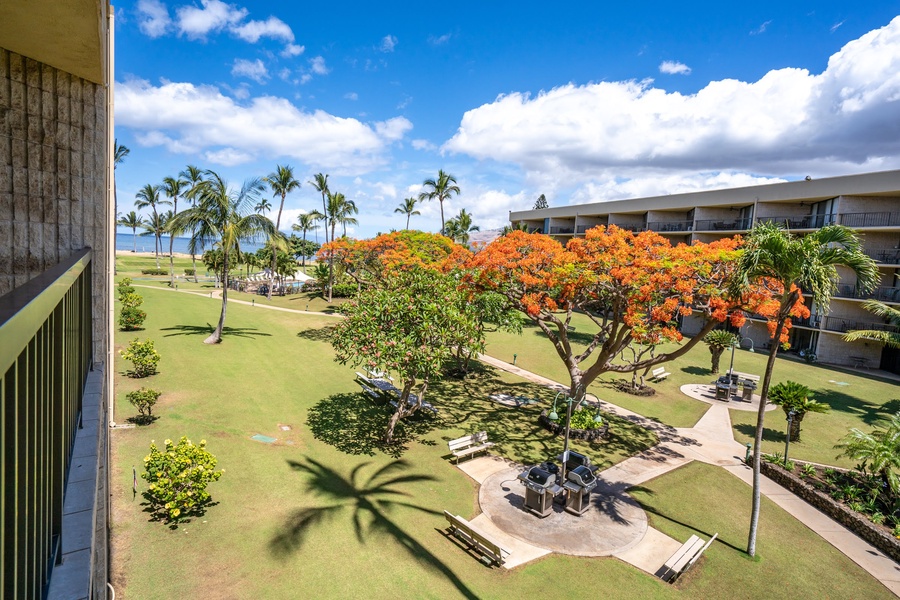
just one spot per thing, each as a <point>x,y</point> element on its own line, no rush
<point>154,271</point>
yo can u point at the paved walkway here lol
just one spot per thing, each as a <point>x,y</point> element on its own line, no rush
<point>217,295</point>
<point>710,441</point>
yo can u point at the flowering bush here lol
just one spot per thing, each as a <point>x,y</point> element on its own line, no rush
<point>125,287</point>
<point>178,476</point>
<point>143,356</point>
<point>144,399</point>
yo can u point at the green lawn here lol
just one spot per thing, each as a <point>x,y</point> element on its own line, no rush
<point>856,399</point>
<point>309,512</point>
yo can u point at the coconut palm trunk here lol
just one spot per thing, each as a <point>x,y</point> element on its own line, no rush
<point>216,335</point>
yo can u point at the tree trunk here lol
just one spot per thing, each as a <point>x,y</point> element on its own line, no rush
<point>194,262</point>
<point>171,261</point>
<point>274,251</point>
<point>716,356</point>
<point>216,335</point>
<point>757,443</point>
<point>304,251</point>
<point>795,427</point>
<point>133,240</point>
<point>441,202</point>
<point>407,220</point>
<point>331,265</point>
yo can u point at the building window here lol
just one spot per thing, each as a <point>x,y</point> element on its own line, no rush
<point>823,213</point>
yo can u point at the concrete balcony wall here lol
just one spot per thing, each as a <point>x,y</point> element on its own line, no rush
<point>627,219</point>
<point>781,209</point>
<point>834,350</point>
<point>52,176</point>
<point>861,204</point>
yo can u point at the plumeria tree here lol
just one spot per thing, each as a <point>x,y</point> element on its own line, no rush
<point>407,326</point>
<point>632,286</point>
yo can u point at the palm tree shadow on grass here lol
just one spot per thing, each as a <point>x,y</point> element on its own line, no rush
<point>769,434</point>
<point>244,332</point>
<point>317,334</point>
<point>871,413</point>
<point>354,424</point>
<point>374,497</point>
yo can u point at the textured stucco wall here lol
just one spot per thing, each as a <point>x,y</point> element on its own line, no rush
<point>52,176</point>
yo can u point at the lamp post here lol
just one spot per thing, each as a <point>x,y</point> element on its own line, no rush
<point>553,416</point>
<point>731,366</point>
<point>787,441</point>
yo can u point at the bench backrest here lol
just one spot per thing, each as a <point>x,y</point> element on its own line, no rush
<point>658,371</point>
<point>498,553</point>
<point>468,440</point>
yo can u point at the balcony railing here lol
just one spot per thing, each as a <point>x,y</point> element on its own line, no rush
<point>630,227</point>
<point>801,221</point>
<point>871,219</point>
<point>561,230</point>
<point>843,325</point>
<point>813,321</point>
<point>45,356</point>
<point>722,224</point>
<point>670,226</point>
<point>882,294</point>
<point>885,256</point>
<point>584,228</point>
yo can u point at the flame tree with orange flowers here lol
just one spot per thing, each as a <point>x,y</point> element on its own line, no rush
<point>632,286</point>
<point>784,267</point>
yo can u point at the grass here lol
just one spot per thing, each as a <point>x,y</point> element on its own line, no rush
<point>856,399</point>
<point>326,508</point>
<point>792,560</point>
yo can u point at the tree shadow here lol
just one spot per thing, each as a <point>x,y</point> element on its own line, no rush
<point>373,498</point>
<point>871,413</point>
<point>696,370</point>
<point>354,424</point>
<point>769,434</point>
<point>142,420</point>
<point>244,332</point>
<point>318,334</point>
<point>159,514</point>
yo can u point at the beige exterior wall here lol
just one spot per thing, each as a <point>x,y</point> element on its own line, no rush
<point>834,350</point>
<point>53,137</point>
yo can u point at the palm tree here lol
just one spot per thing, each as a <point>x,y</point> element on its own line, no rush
<point>459,227</point>
<point>222,216</point>
<point>320,183</point>
<point>507,229</point>
<point>263,206</point>
<point>173,187</point>
<point>342,212</point>
<point>193,175</point>
<point>132,220</point>
<point>440,189</point>
<point>794,397</point>
<point>282,183</point>
<point>120,152</point>
<point>718,341</point>
<point>305,222</point>
<point>885,336</point>
<point>156,225</point>
<point>149,196</point>
<point>805,263</point>
<point>878,451</point>
<point>408,208</point>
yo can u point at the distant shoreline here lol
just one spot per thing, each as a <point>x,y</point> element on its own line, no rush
<point>153,254</point>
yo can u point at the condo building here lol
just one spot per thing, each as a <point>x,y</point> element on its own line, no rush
<point>868,203</point>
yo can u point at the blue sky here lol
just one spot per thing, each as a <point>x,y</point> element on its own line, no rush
<point>581,101</point>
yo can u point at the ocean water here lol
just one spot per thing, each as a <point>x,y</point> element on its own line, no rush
<point>144,243</point>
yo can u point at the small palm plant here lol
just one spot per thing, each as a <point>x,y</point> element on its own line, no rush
<point>792,396</point>
<point>889,336</point>
<point>878,452</point>
<point>718,341</point>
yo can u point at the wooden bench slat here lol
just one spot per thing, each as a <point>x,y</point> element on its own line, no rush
<point>475,539</point>
<point>684,558</point>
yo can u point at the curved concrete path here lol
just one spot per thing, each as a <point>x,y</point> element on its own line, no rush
<point>711,441</point>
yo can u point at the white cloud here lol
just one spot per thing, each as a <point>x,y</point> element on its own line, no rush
<point>185,118</point>
<point>388,43</point>
<point>439,40</point>
<point>762,28</point>
<point>292,50</point>
<point>317,66</point>
<point>284,74</point>
<point>215,15</point>
<point>845,119</point>
<point>673,67</point>
<point>153,18</point>
<point>252,69</point>
<point>351,96</point>
<point>836,26</point>
<point>305,78</point>
<point>272,27</point>
<point>423,145</point>
<point>647,184</point>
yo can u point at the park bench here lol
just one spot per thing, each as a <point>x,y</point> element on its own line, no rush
<point>491,552</point>
<point>659,374</point>
<point>372,393</point>
<point>411,400</point>
<point>469,444</point>
<point>684,558</point>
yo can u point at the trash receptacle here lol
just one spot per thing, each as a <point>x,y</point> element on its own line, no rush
<point>748,393</point>
<point>722,392</point>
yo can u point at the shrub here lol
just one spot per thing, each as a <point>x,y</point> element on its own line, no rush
<point>808,470</point>
<point>178,476</point>
<point>583,418</point>
<point>143,356</point>
<point>125,287</point>
<point>154,272</point>
<point>143,400</point>
<point>344,290</point>
<point>189,272</point>
<point>131,318</point>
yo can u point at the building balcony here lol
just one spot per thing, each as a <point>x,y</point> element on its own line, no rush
<point>871,219</point>
<point>562,230</point>
<point>801,221</point>
<point>722,224</point>
<point>811,322</point>
<point>881,294</point>
<point>884,256</point>
<point>843,325</point>
<point>630,227</point>
<point>671,226</point>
